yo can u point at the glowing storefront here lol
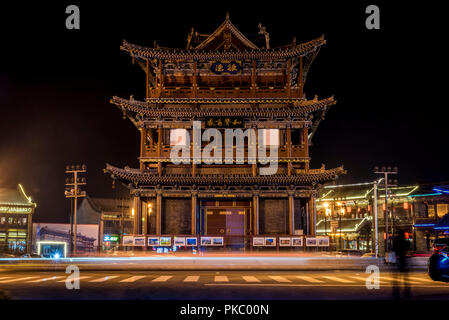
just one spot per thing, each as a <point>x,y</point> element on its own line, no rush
<point>16,210</point>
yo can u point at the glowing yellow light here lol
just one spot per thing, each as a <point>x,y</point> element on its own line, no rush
<point>338,203</point>
<point>132,212</point>
<point>326,204</point>
<point>328,212</point>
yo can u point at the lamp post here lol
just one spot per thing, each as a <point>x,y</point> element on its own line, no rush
<point>73,191</point>
<point>386,171</point>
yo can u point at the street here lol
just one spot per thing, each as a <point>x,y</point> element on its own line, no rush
<point>216,285</point>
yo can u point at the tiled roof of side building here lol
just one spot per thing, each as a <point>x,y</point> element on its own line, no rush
<point>15,196</point>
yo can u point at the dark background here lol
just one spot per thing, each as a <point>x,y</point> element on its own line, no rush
<point>55,86</point>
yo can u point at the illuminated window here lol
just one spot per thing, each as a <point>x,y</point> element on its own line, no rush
<point>178,137</point>
<point>270,137</point>
<point>2,220</point>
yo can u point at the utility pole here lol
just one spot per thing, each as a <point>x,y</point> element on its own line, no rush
<point>376,234</point>
<point>386,171</point>
<point>73,191</point>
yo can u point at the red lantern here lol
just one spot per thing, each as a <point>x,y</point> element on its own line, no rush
<point>348,209</point>
<point>406,205</point>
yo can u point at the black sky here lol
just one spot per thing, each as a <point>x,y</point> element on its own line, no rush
<point>55,86</point>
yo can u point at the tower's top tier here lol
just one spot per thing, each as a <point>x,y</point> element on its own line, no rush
<point>226,63</point>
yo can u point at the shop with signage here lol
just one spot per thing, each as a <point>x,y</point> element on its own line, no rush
<point>16,211</point>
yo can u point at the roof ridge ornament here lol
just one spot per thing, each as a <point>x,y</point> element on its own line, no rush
<point>227,15</point>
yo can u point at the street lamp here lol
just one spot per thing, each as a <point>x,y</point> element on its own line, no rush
<point>73,191</point>
<point>386,171</point>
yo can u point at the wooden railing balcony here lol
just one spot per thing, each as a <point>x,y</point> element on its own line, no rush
<point>283,154</point>
<point>224,92</point>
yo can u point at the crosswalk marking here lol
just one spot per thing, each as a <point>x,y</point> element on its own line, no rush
<point>338,279</point>
<point>309,279</point>
<point>191,278</point>
<point>399,279</point>
<point>279,279</point>
<point>133,279</point>
<point>75,279</point>
<point>162,278</point>
<point>45,279</point>
<point>250,279</point>
<point>221,279</point>
<point>104,279</point>
<point>18,279</point>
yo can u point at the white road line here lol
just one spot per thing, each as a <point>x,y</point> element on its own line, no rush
<point>338,279</point>
<point>309,279</point>
<point>133,279</point>
<point>75,279</point>
<point>279,279</point>
<point>364,279</point>
<point>191,278</point>
<point>162,278</point>
<point>399,279</point>
<point>45,279</point>
<point>221,279</point>
<point>104,279</point>
<point>419,279</point>
<point>250,279</point>
<point>18,279</point>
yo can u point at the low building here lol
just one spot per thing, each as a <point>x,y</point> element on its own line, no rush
<point>16,211</point>
<point>345,213</point>
<point>115,218</point>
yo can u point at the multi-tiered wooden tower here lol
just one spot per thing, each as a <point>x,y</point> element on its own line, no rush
<point>225,80</point>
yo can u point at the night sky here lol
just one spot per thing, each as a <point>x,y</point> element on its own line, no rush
<point>55,86</point>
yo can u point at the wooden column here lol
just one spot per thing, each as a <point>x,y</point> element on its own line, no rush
<point>144,218</point>
<point>158,211</point>
<point>147,69</point>
<point>194,79</point>
<point>312,218</point>
<point>194,210</point>
<point>301,79</point>
<point>289,150</point>
<point>288,80</point>
<point>161,78</point>
<point>143,138</point>
<point>253,77</point>
<point>305,144</point>
<point>291,214</point>
<point>29,232</point>
<point>256,214</point>
<point>159,150</point>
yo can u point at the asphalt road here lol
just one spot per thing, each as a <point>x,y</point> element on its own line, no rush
<point>214,285</point>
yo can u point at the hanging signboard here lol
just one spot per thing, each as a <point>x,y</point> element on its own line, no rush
<point>226,67</point>
<point>224,122</point>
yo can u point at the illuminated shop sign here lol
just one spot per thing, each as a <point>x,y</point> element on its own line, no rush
<point>5,209</point>
<point>110,238</point>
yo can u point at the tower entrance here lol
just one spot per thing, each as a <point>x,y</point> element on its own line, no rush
<point>229,219</point>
